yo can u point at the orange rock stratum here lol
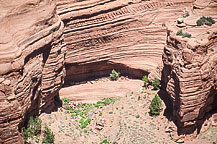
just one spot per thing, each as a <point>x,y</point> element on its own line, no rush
<point>46,43</point>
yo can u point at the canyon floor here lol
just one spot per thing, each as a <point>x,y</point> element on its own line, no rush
<point>121,118</point>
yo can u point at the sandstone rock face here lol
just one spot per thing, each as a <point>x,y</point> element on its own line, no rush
<point>39,38</point>
<point>31,60</point>
<point>189,73</point>
<point>122,34</point>
<point>205,7</point>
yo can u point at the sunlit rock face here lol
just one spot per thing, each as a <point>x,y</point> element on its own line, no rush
<point>190,72</point>
<point>31,61</point>
<point>205,7</point>
<point>123,34</point>
<point>39,38</point>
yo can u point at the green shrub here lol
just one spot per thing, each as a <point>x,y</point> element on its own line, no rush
<point>186,35</point>
<point>105,141</point>
<point>156,105</point>
<point>210,19</point>
<point>145,79</point>
<point>114,75</point>
<point>25,134</point>
<point>107,101</point>
<point>205,21</point>
<point>156,84</point>
<point>199,22</point>
<point>33,128</point>
<point>100,113</point>
<point>85,131</point>
<point>181,33</point>
<point>48,136</point>
<point>66,100</point>
<point>85,123</point>
<point>81,121</point>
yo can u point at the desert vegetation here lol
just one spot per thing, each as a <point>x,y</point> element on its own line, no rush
<point>156,105</point>
<point>183,34</point>
<point>205,21</point>
<point>33,131</point>
<point>81,112</point>
<point>145,79</point>
<point>114,75</point>
<point>156,84</point>
<point>136,117</point>
<point>99,121</point>
<point>48,136</point>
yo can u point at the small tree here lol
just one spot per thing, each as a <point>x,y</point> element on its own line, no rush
<point>114,75</point>
<point>156,105</point>
<point>145,79</point>
<point>48,136</point>
<point>156,84</point>
<point>33,128</point>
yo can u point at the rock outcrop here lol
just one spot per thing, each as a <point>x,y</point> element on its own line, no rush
<point>190,72</point>
<point>122,34</point>
<point>44,42</point>
<point>31,61</point>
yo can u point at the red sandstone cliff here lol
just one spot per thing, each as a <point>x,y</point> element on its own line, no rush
<point>40,37</point>
<point>122,34</point>
<point>190,70</point>
<point>31,61</point>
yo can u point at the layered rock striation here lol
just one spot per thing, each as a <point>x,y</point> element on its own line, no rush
<point>122,34</point>
<point>31,60</point>
<point>44,42</point>
<point>189,73</point>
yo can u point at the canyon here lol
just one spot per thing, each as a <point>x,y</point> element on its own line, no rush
<point>46,45</point>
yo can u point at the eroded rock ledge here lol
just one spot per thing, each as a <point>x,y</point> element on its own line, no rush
<point>32,62</point>
<point>189,73</point>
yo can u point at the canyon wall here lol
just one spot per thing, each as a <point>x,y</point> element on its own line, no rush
<point>128,35</point>
<point>31,60</point>
<point>44,42</point>
<point>190,72</point>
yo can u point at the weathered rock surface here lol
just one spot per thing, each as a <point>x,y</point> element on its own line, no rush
<point>208,7</point>
<point>189,73</point>
<point>31,60</point>
<point>97,36</point>
<point>122,34</point>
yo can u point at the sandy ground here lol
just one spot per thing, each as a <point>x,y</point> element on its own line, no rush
<point>93,91</point>
<point>126,121</point>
